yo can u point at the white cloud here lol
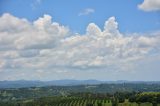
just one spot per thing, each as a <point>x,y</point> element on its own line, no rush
<point>47,45</point>
<point>150,5</point>
<point>20,34</point>
<point>86,11</point>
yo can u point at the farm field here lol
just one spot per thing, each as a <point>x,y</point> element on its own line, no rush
<point>83,95</point>
<point>74,102</point>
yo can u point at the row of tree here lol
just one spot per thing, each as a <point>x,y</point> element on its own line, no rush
<point>89,99</point>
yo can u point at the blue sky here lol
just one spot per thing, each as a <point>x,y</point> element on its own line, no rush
<point>129,17</point>
<point>75,39</point>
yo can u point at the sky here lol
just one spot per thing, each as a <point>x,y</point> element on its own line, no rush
<point>75,39</point>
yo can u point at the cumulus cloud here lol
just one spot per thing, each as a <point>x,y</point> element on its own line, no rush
<point>86,11</point>
<point>21,34</point>
<point>150,5</point>
<point>47,45</point>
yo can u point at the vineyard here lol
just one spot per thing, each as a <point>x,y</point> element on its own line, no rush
<point>49,101</point>
<point>90,102</point>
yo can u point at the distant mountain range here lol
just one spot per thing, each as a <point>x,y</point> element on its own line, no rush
<point>26,83</point>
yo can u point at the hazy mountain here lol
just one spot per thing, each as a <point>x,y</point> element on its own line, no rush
<point>26,83</point>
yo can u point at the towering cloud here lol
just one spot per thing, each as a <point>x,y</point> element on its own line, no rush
<point>47,45</point>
